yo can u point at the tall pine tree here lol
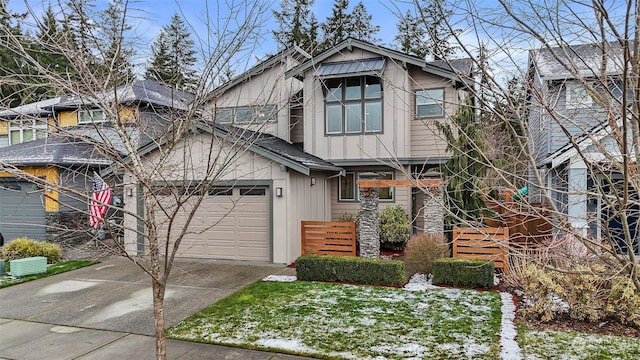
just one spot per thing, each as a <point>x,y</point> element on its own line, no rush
<point>79,23</point>
<point>296,25</point>
<point>173,56</point>
<point>116,64</point>
<point>12,87</point>
<point>360,26</point>
<point>336,27</point>
<point>410,38</point>
<point>434,17</point>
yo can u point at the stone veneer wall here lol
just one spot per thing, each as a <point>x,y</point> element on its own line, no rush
<point>434,211</point>
<point>369,219</point>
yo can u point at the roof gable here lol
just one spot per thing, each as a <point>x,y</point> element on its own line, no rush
<point>447,69</point>
<point>584,60</point>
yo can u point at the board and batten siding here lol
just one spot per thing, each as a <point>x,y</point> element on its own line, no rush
<point>392,142</point>
<point>268,87</point>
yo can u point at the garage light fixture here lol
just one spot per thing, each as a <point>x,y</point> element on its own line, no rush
<point>279,192</point>
<point>313,181</point>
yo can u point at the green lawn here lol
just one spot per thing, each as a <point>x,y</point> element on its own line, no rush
<point>537,344</point>
<point>52,269</point>
<point>330,320</point>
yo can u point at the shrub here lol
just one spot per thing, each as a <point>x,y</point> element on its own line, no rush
<point>470,273</point>
<point>350,269</point>
<point>422,250</point>
<point>588,294</point>
<point>395,227</point>
<point>21,248</point>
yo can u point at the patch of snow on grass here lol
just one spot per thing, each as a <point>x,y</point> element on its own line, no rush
<point>286,344</point>
<point>420,282</point>
<point>280,278</point>
<point>510,350</point>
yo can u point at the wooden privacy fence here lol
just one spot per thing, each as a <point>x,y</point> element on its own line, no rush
<point>331,238</point>
<point>483,243</point>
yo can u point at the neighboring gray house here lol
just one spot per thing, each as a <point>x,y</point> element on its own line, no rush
<point>565,121</point>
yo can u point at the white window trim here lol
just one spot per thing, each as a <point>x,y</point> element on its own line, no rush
<point>92,115</point>
<point>22,126</point>
<point>572,103</point>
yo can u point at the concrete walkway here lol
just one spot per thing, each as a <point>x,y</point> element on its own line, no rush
<point>104,311</point>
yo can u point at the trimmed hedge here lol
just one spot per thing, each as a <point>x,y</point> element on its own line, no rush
<point>470,273</point>
<point>350,269</point>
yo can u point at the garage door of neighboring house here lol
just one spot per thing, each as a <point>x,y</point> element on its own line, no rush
<point>230,223</point>
<point>22,211</point>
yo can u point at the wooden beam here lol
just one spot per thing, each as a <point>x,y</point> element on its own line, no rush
<point>429,183</point>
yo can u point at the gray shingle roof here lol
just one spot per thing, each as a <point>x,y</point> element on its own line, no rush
<point>145,91</point>
<point>279,150</point>
<point>33,109</point>
<point>586,59</point>
<point>54,150</point>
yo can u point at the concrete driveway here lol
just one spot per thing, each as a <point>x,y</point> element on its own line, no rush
<point>116,295</point>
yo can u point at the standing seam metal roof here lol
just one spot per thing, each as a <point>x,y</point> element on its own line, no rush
<point>375,65</point>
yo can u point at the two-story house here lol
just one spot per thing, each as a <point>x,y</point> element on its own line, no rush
<point>574,118</point>
<point>302,130</point>
<point>54,140</point>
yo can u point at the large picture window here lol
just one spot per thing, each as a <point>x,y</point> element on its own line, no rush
<point>353,105</point>
<point>26,130</point>
<point>348,188</point>
<point>430,103</point>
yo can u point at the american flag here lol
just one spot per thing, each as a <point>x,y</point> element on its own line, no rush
<point>100,198</point>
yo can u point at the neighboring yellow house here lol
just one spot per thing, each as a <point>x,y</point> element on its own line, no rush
<point>44,150</point>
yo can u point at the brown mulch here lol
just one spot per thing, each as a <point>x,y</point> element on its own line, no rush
<point>604,328</point>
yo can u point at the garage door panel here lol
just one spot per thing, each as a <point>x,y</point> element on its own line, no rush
<point>230,226</point>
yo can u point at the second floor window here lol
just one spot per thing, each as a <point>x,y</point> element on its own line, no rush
<point>430,103</point>
<point>90,116</point>
<point>578,96</point>
<point>26,130</point>
<point>353,105</point>
<point>246,114</point>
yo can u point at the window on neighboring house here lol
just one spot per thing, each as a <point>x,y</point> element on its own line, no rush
<point>348,188</point>
<point>246,114</point>
<point>26,130</point>
<point>430,103</point>
<point>91,116</point>
<point>353,105</point>
<point>577,96</point>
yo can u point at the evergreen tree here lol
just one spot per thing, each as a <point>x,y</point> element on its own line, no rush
<point>116,58</point>
<point>11,85</point>
<point>466,169</point>
<point>173,56</point>
<point>337,26</point>
<point>296,25</point>
<point>360,26</point>
<point>434,19</point>
<point>79,24</point>
<point>410,36</point>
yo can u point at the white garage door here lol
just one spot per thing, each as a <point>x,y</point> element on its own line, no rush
<point>230,224</point>
<point>22,212</point>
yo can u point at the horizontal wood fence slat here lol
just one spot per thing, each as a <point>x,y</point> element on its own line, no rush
<point>329,238</point>
<point>484,244</point>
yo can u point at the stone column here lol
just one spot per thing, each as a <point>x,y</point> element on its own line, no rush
<point>369,223</point>
<point>434,211</point>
